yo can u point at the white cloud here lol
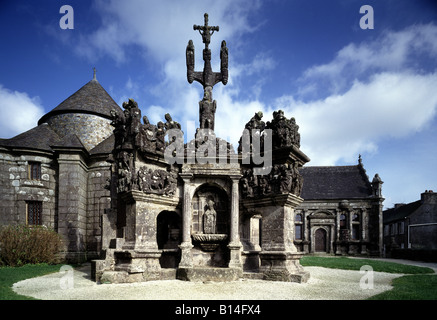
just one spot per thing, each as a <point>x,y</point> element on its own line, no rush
<point>19,112</point>
<point>376,90</point>
<point>161,28</point>
<point>390,105</point>
<point>393,51</point>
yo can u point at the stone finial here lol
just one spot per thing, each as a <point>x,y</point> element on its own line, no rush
<point>94,74</point>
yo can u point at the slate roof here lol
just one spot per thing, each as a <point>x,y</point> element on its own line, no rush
<point>335,182</point>
<point>41,137</point>
<point>400,212</point>
<point>92,98</point>
<point>104,147</point>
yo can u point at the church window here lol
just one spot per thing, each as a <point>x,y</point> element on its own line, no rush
<point>34,170</point>
<point>355,232</point>
<point>298,232</point>
<point>343,222</point>
<point>355,217</point>
<point>298,227</point>
<point>34,212</point>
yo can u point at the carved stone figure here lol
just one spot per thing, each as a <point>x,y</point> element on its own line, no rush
<point>190,61</point>
<point>281,179</point>
<point>224,62</point>
<point>147,137</point>
<point>170,124</point>
<point>255,123</point>
<point>284,131</point>
<point>207,109</point>
<point>157,181</point>
<point>210,218</point>
<point>160,137</point>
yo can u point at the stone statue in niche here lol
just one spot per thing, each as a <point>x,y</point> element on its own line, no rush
<point>209,218</point>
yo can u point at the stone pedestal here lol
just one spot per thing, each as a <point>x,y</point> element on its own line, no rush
<point>279,256</point>
<point>282,266</point>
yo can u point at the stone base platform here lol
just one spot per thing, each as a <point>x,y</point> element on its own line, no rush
<point>209,274</point>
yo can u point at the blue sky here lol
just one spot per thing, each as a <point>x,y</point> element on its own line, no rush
<point>352,91</point>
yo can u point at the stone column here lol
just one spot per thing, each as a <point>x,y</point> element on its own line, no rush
<point>186,246</point>
<point>364,226</point>
<point>234,242</point>
<point>72,201</point>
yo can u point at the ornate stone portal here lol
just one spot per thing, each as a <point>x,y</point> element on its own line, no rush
<point>216,215</point>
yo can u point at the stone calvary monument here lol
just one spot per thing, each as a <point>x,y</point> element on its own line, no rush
<point>199,211</point>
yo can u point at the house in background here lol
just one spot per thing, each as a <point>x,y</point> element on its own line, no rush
<point>341,213</point>
<point>410,230</point>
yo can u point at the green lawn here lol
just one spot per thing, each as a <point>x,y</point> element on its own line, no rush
<point>11,275</point>
<point>355,264</point>
<point>419,284</point>
<point>411,287</point>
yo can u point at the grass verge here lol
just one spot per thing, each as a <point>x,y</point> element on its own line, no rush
<point>11,275</point>
<point>419,284</point>
<point>355,264</point>
<point>411,287</point>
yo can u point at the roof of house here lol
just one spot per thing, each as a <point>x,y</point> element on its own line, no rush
<point>92,98</point>
<point>335,182</point>
<point>401,211</point>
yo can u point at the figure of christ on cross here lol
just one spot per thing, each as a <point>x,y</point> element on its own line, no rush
<point>206,31</point>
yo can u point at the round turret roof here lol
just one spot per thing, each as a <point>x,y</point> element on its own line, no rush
<point>90,99</point>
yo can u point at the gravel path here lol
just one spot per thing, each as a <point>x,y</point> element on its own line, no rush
<point>326,284</point>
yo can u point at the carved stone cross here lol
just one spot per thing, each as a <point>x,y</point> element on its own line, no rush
<point>207,78</point>
<point>206,31</point>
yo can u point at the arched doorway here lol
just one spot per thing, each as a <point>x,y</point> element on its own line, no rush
<point>320,240</point>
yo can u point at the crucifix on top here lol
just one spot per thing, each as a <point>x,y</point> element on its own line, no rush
<point>207,78</point>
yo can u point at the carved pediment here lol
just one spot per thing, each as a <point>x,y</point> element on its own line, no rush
<point>321,215</point>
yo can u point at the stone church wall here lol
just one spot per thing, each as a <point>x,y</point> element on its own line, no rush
<point>17,189</point>
<point>91,129</point>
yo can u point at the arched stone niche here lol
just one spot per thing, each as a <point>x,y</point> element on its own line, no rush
<point>206,198</point>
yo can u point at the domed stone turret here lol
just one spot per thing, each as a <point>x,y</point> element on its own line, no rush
<point>85,114</point>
